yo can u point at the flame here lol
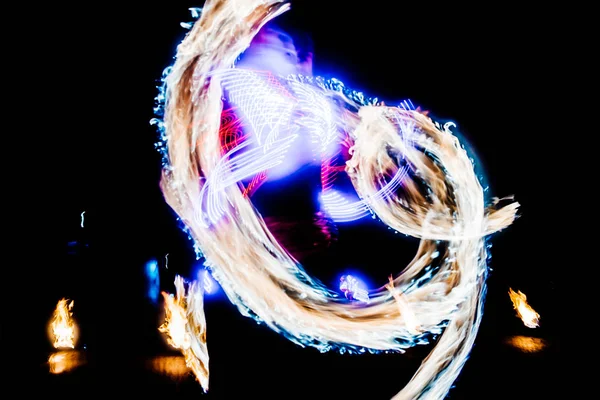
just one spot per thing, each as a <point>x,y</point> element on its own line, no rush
<point>412,323</point>
<point>65,361</point>
<point>527,314</point>
<point>526,344</point>
<point>172,366</point>
<point>175,323</point>
<point>63,327</point>
<point>185,327</point>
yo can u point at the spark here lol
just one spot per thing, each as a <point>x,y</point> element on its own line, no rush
<point>82,218</point>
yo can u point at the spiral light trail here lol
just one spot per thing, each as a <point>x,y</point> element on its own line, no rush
<point>408,170</point>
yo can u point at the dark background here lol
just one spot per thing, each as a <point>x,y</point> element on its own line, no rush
<point>483,69</point>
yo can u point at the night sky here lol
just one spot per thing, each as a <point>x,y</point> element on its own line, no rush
<point>478,68</point>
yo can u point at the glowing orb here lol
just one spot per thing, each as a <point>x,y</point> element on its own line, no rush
<point>353,289</point>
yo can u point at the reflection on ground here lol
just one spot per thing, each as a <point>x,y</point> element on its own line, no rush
<point>172,367</point>
<point>526,344</point>
<point>65,361</point>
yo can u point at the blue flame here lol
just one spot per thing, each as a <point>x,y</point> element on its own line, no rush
<point>153,278</point>
<point>209,284</point>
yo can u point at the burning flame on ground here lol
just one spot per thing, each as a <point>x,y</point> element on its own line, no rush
<point>175,323</point>
<point>65,361</point>
<point>528,315</point>
<point>63,327</point>
<point>185,327</point>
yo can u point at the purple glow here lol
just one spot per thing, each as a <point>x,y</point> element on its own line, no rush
<point>209,284</point>
<point>354,289</point>
<point>282,114</point>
